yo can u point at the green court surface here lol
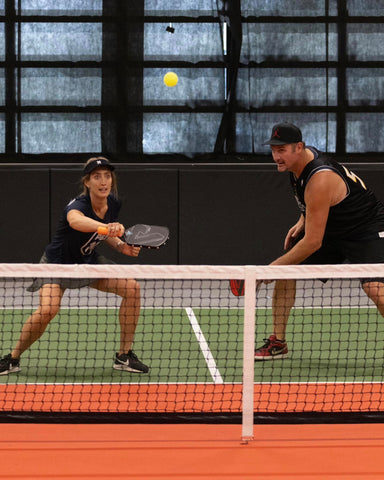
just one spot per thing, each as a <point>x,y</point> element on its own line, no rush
<point>326,345</point>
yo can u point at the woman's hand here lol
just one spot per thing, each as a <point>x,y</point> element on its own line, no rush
<point>129,250</point>
<point>115,229</point>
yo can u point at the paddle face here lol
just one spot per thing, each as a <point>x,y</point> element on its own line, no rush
<point>147,236</point>
<point>237,287</point>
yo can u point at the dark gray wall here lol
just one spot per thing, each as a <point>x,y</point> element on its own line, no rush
<point>216,214</point>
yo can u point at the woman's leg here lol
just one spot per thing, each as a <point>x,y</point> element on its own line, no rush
<point>129,291</point>
<point>34,327</point>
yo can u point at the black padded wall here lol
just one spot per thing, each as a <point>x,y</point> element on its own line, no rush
<point>24,215</point>
<point>233,217</point>
<point>229,215</point>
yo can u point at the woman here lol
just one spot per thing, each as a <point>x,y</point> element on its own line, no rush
<point>74,243</point>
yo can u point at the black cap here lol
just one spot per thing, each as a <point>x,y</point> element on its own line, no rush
<point>96,163</point>
<point>284,133</point>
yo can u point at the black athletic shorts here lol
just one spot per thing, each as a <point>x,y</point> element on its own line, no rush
<point>350,251</point>
<point>65,283</point>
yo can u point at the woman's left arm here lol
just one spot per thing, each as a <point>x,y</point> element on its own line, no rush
<point>122,247</point>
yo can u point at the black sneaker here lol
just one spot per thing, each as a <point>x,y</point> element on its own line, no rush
<point>9,365</point>
<point>130,363</point>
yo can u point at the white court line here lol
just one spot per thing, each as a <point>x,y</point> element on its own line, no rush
<point>215,373</point>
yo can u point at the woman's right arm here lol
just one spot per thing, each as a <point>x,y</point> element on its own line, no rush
<point>78,221</point>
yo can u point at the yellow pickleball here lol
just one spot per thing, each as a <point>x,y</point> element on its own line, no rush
<point>170,79</point>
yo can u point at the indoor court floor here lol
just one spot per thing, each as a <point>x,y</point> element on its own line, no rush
<point>191,452</point>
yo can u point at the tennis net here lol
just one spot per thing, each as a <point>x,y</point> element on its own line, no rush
<point>198,340</point>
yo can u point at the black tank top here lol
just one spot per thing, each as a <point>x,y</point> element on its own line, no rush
<point>359,216</point>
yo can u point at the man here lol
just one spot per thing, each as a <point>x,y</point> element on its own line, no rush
<point>340,220</point>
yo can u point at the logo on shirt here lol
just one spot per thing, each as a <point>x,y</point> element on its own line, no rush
<point>300,204</point>
<point>91,244</point>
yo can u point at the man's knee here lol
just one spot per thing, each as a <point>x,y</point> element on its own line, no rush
<point>375,291</point>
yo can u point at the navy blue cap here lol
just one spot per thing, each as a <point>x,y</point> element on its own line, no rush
<point>98,162</point>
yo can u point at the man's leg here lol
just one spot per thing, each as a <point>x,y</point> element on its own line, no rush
<point>375,291</point>
<point>283,300</point>
<point>284,295</point>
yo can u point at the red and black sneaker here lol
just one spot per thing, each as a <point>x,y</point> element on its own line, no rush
<point>273,348</point>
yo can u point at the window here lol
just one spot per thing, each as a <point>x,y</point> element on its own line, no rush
<point>81,77</point>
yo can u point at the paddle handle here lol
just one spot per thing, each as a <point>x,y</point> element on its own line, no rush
<point>102,230</point>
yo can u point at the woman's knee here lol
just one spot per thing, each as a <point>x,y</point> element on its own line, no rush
<point>133,288</point>
<point>47,313</point>
<point>128,288</point>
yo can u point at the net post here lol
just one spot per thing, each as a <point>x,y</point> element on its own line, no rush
<point>248,355</point>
